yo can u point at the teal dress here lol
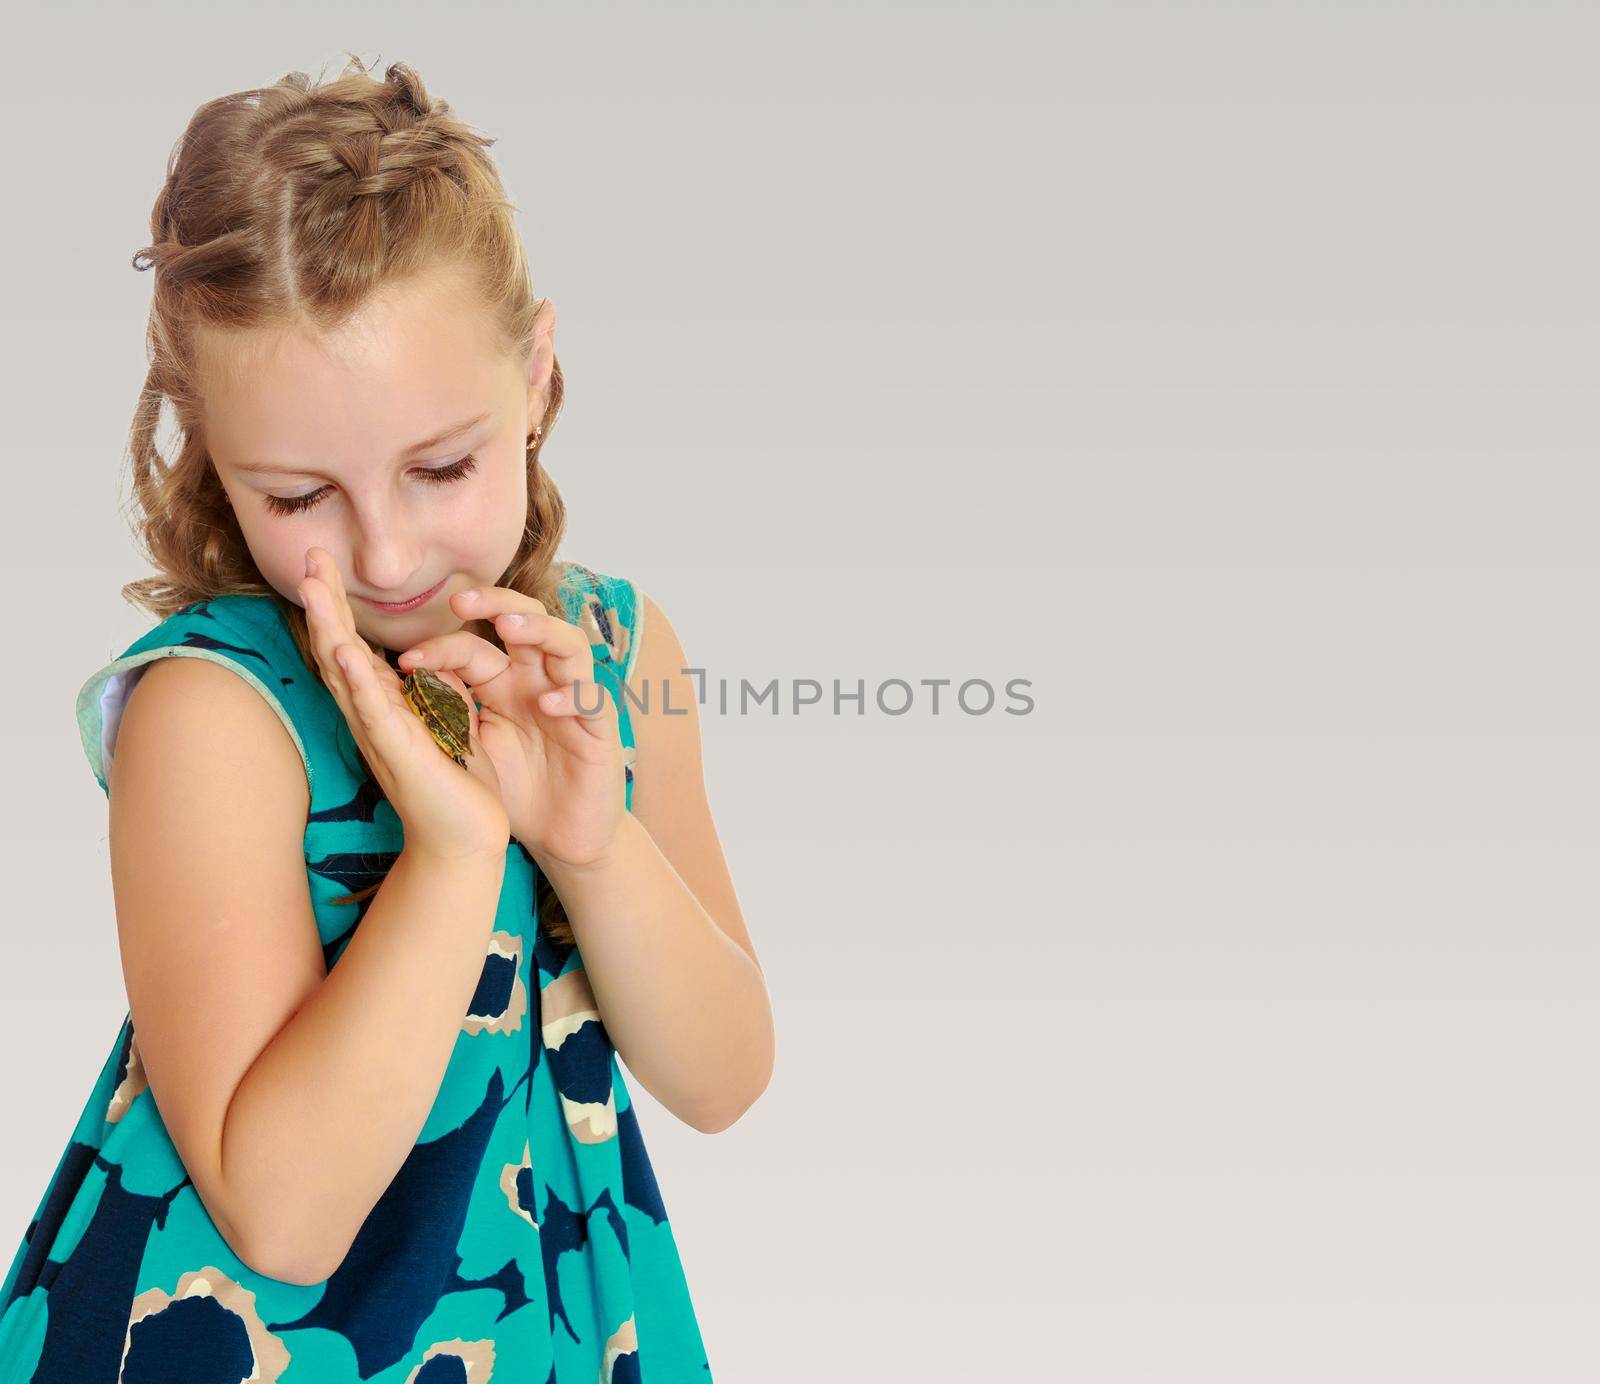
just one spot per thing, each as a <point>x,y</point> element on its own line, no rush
<point>524,1239</point>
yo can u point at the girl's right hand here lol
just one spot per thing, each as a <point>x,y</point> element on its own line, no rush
<point>446,810</point>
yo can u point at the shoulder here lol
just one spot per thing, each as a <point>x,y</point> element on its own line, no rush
<point>663,687</point>
<point>194,726</point>
<point>243,636</point>
<point>663,655</point>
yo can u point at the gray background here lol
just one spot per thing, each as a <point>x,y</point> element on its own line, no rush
<point>1220,370</point>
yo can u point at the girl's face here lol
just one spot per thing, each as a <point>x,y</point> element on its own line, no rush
<point>338,441</point>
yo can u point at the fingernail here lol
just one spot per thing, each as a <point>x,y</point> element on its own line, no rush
<point>471,595</point>
<point>311,565</point>
<point>516,619</point>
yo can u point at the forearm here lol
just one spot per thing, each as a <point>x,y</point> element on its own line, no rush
<point>331,1108</point>
<point>683,1003</point>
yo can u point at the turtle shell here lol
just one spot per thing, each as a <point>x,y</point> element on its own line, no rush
<point>442,710</point>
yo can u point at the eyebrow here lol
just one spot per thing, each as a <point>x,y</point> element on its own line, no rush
<point>427,443</point>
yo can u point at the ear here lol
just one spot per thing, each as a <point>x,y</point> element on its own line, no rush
<point>541,361</point>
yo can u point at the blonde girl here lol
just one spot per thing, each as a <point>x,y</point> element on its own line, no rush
<point>364,1119</point>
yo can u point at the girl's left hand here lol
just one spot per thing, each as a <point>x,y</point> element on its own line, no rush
<point>560,766</point>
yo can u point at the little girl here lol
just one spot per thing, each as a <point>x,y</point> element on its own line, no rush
<point>365,1119</point>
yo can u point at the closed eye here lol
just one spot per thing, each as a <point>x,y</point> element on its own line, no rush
<point>436,475</point>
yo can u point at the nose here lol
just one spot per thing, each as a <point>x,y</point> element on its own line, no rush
<point>386,560</point>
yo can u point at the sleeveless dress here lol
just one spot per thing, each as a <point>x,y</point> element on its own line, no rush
<point>523,1241</point>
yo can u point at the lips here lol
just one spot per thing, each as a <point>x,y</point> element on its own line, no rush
<point>399,607</point>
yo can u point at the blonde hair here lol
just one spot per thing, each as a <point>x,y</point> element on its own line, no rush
<point>293,205</point>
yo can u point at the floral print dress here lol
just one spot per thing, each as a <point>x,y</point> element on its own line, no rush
<point>523,1241</point>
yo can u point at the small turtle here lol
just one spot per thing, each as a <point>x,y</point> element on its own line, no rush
<point>442,710</point>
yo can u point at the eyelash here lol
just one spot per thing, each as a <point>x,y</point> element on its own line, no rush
<point>437,475</point>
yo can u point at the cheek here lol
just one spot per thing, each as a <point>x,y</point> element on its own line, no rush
<point>279,551</point>
<point>499,511</point>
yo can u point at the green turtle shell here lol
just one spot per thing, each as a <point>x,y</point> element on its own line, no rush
<point>442,710</point>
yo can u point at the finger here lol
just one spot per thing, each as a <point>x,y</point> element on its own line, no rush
<point>494,602</point>
<point>322,614</point>
<point>485,602</point>
<point>387,728</point>
<point>507,680</point>
<point>335,619</point>
<point>563,649</point>
<point>371,702</point>
<point>327,644</point>
<point>538,644</point>
<point>474,659</point>
<point>369,695</point>
<point>530,628</point>
<point>330,576</point>
<point>577,701</point>
<point>320,627</point>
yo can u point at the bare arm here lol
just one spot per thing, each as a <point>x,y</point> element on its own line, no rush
<point>328,1112</point>
<point>664,941</point>
<point>292,1094</point>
